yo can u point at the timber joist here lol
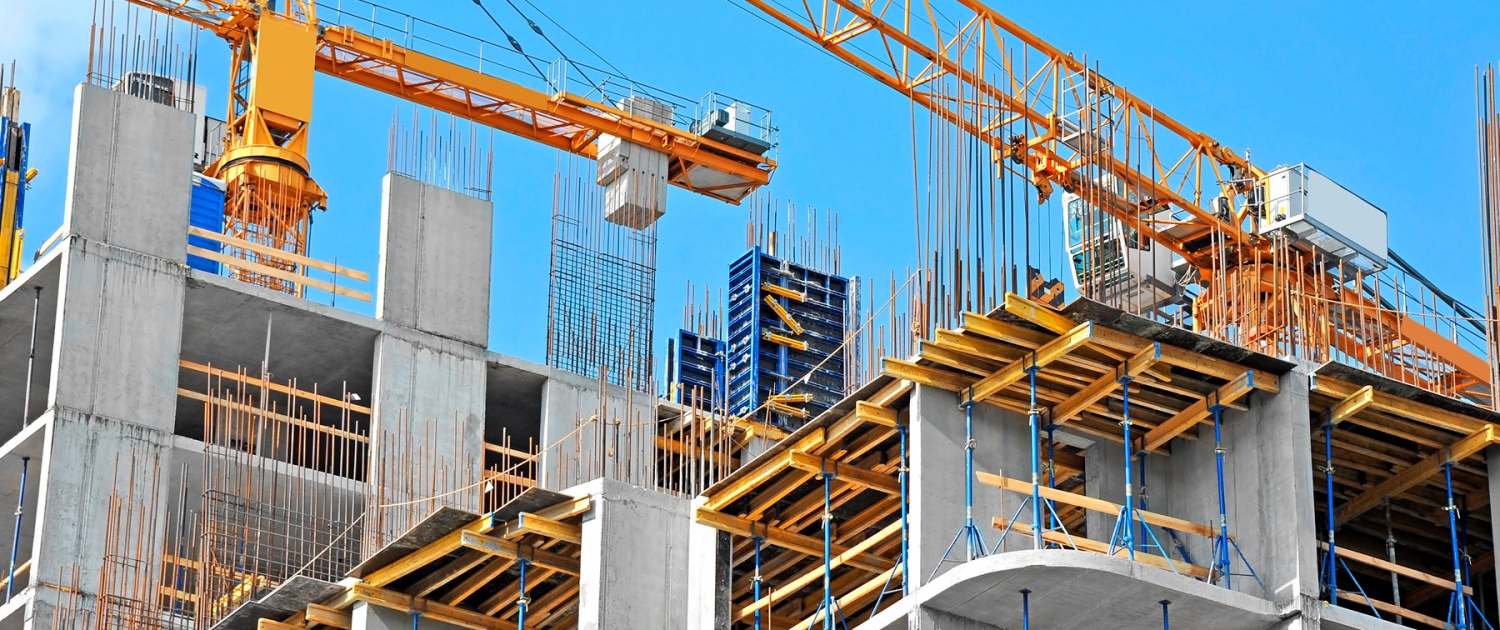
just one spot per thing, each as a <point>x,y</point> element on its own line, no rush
<point>1393,452</point>
<point>470,577</point>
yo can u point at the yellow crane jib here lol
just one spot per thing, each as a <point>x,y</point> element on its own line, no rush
<point>784,340</point>
<point>784,315</point>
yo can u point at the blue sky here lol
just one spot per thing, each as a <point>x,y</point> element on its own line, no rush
<point>1377,95</point>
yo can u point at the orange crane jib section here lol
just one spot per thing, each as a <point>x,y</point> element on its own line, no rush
<point>1039,109</point>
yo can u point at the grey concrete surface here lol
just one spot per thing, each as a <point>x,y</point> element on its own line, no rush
<point>635,558</point>
<point>17,303</point>
<point>435,260</point>
<point>130,176</point>
<point>709,577</point>
<point>568,402</point>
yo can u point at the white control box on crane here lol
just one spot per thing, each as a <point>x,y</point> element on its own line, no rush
<point>1313,209</point>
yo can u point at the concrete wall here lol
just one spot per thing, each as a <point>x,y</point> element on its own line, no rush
<point>570,442</point>
<point>924,618</point>
<point>710,578</point>
<point>635,559</point>
<point>937,481</point>
<point>435,260</point>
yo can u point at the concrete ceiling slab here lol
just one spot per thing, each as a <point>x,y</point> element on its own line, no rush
<point>17,303</point>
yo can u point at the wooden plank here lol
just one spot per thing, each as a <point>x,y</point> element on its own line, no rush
<point>1228,393</point>
<point>270,624</point>
<point>318,614</point>
<point>787,588</point>
<point>352,274</point>
<point>1385,565</point>
<point>510,549</point>
<point>1426,414</point>
<point>1097,505</point>
<point>876,414</point>
<point>1392,609</point>
<point>440,577</point>
<point>1353,404</point>
<point>437,611</point>
<point>786,540</point>
<point>1416,474</point>
<point>477,580</point>
<point>1102,386</point>
<point>924,375</point>
<point>1094,546</point>
<point>434,551</point>
<point>1041,357</point>
<point>1038,314</point>
<point>567,509</point>
<point>271,385</point>
<point>312,426</point>
<point>848,473</point>
<point>281,274</point>
<point>542,526</point>
<point>763,472</point>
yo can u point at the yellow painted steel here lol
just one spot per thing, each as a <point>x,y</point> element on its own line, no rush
<point>786,317</point>
<point>790,398</point>
<point>10,235</point>
<point>783,292</point>
<point>784,340</point>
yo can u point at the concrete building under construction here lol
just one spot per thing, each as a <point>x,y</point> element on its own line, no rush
<point>1277,441</point>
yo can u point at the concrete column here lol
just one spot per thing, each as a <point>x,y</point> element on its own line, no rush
<point>709,577</point>
<point>1268,487</point>
<point>435,260</point>
<point>576,450</point>
<point>937,478</point>
<point>112,403</point>
<point>1492,462</point>
<point>635,559</point>
<point>428,405</point>
<point>367,616</point>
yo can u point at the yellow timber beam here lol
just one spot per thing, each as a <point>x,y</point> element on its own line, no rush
<point>845,472</point>
<point>1353,404</point>
<point>787,588</point>
<point>1416,474</point>
<point>1041,357</point>
<point>792,541</point>
<point>432,552</point>
<point>1389,403</point>
<point>502,548</point>
<point>1189,417</point>
<point>1102,386</point>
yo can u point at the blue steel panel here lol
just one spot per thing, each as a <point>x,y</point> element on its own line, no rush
<point>206,212</point>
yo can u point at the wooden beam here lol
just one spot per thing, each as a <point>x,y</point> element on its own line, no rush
<point>323,615</point>
<point>1041,357</point>
<point>432,552</point>
<point>1392,609</point>
<point>848,600</point>
<point>1353,404</point>
<point>1037,314</point>
<point>1189,417</point>
<point>542,526</point>
<point>280,274</point>
<point>787,588</point>
<point>478,580</point>
<point>1102,386</point>
<point>567,509</point>
<point>762,472</point>
<point>1382,401</point>
<point>271,385</point>
<point>436,610</point>
<point>1385,565</point>
<point>352,274</point>
<point>1416,474</point>
<point>925,375</point>
<point>787,540</point>
<point>509,549</point>
<point>876,414</point>
<point>846,472</point>
<point>1097,505</point>
<point>440,577</point>
<point>1084,544</point>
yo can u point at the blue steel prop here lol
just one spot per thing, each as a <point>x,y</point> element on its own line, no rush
<point>1328,572</point>
<point>1463,613</point>
<point>1025,609</point>
<point>756,580</point>
<point>828,606</point>
<point>524,600</point>
<point>1221,567</point>
<point>1035,501</point>
<point>1165,621</point>
<point>901,562</point>
<point>973,541</point>
<point>1123,537</point>
<point>15,540</point>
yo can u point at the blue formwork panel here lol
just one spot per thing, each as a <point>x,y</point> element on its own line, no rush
<point>700,370</point>
<point>759,368</point>
<point>207,212</point>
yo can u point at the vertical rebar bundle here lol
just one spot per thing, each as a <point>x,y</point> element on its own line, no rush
<point>442,151</point>
<point>1489,208</point>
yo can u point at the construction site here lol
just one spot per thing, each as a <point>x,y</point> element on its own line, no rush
<point>1225,402</point>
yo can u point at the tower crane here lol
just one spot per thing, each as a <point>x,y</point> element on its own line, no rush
<point>1053,120</point>
<point>278,45</point>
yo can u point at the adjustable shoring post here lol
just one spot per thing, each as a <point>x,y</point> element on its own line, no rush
<point>1036,464</point>
<point>901,562</point>
<point>1223,544</point>
<point>1164,621</point>
<point>1025,609</point>
<point>973,541</point>
<point>1330,562</point>
<point>1123,537</point>
<point>1052,519</point>
<point>524,601</point>
<point>755,580</point>
<point>828,604</point>
<point>1462,611</point>
<point>1390,555</point>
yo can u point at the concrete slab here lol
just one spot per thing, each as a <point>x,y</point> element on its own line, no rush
<point>1075,590</point>
<point>441,522</point>
<point>287,599</point>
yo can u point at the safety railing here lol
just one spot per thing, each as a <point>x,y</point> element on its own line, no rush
<point>278,264</point>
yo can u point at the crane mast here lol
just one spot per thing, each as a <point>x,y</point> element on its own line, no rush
<point>1050,118</point>
<point>278,46</point>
